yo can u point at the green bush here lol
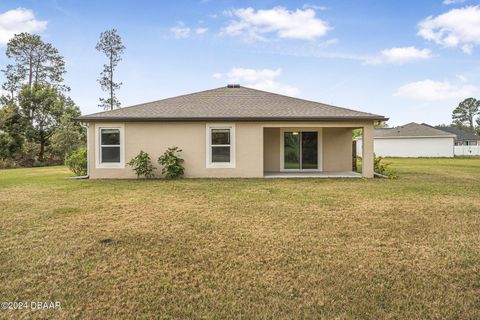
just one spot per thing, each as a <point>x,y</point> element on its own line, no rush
<point>77,161</point>
<point>8,164</point>
<point>383,168</point>
<point>142,165</point>
<point>172,163</point>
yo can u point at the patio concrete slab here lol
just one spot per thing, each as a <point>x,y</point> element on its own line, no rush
<point>336,174</point>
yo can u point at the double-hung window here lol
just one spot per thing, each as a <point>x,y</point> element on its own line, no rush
<point>221,146</point>
<point>110,147</point>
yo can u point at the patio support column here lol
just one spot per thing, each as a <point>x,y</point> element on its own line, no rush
<point>367,151</point>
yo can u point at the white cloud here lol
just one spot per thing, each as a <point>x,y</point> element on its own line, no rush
<point>400,55</point>
<point>256,24</point>
<point>19,20</point>
<point>453,1</point>
<point>314,7</point>
<point>262,79</point>
<point>328,43</point>
<point>181,31</point>
<point>430,90</point>
<point>253,75</point>
<point>201,30</point>
<point>455,28</point>
<point>217,75</point>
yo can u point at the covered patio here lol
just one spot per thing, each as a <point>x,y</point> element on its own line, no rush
<point>315,150</point>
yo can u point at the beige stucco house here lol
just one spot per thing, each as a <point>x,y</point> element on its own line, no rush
<point>231,131</point>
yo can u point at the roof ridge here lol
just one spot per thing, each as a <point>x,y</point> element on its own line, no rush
<point>427,126</point>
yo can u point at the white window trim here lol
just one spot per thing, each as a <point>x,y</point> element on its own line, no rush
<point>98,151</point>
<point>209,127</point>
<point>319,149</point>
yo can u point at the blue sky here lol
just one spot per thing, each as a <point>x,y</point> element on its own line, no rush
<point>407,60</point>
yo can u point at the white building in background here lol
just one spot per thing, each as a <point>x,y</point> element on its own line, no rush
<point>411,140</point>
<point>466,143</point>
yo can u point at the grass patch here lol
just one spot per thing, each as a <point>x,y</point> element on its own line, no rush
<point>245,248</point>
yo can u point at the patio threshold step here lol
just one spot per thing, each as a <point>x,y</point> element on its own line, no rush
<point>334,174</point>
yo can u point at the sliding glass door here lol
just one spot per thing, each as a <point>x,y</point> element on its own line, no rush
<point>291,150</point>
<point>309,150</point>
<point>300,150</point>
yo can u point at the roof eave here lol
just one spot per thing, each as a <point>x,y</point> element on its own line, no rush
<point>178,119</point>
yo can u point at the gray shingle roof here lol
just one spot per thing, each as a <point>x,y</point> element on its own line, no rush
<point>461,134</point>
<point>410,130</point>
<point>227,103</point>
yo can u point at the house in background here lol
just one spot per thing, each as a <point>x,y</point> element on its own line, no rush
<point>232,131</point>
<point>466,143</point>
<point>412,140</point>
<point>463,138</point>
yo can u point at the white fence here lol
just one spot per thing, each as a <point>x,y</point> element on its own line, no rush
<point>467,150</point>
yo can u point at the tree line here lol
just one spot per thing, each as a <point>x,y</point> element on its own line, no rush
<point>37,117</point>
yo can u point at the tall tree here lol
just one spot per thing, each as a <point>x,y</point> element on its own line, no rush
<point>35,61</point>
<point>464,115</point>
<point>43,106</point>
<point>12,128</point>
<point>111,45</point>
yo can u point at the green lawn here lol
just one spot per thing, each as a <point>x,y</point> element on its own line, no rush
<point>245,248</point>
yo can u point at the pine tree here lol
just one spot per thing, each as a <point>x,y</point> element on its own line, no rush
<point>111,45</point>
<point>35,62</point>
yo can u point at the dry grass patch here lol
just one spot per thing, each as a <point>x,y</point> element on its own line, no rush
<point>376,249</point>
